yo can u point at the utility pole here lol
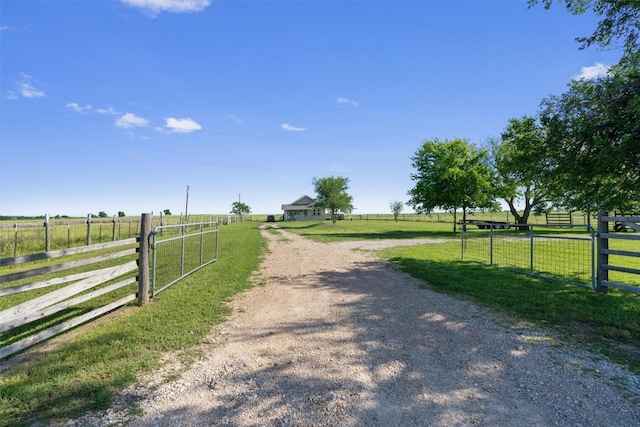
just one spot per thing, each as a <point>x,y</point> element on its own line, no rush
<point>186,207</point>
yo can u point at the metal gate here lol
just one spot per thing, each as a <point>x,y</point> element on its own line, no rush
<point>179,250</point>
<point>556,252</point>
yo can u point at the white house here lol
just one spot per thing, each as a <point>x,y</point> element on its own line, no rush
<point>303,210</point>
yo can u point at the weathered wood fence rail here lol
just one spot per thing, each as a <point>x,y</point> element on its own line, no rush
<point>40,302</point>
<point>77,297</point>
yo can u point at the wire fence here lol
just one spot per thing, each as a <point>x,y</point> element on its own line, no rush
<point>25,238</point>
<point>179,250</point>
<point>556,253</point>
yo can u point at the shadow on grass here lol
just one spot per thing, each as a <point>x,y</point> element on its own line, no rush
<point>396,378</point>
<point>609,320</point>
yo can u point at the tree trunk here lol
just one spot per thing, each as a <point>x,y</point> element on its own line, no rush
<point>524,218</point>
<point>454,219</point>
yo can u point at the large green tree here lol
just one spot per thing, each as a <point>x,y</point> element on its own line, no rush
<point>593,132</point>
<point>331,193</point>
<point>451,175</point>
<point>593,142</point>
<point>520,166</point>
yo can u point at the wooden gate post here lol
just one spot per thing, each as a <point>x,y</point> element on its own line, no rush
<point>603,252</point>
<point>143,259</point>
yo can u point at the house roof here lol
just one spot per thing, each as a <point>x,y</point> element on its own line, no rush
<point>304,202</point>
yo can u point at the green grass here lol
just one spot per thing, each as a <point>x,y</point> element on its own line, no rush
<point>362,230</point>
<point>610,322</point>
<point>86,370</point>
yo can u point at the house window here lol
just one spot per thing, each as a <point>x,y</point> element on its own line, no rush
<point>316,211</point>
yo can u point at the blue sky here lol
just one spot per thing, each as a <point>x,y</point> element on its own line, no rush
<point>120,105</point>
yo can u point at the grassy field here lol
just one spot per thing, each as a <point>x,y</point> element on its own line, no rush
<point>86,369</point>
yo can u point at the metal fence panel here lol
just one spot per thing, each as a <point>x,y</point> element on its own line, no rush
<point>179,250</point>
<point>555,253</point>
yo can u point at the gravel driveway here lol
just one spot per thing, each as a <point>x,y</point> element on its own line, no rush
<point>333,336</point>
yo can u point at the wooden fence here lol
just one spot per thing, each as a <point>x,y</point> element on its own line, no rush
<point>606,251</point>
<point>55,303</point>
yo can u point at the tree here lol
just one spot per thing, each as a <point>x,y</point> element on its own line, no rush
<point>592,142</point>
<point>396,208</point>
<point>331,193</point>
<point>166,212</point>
<point>102,214</point>
<point>451,174</point>
<point>240,209</point>
<point>620,24</point>
<point>520,166</point>
<point>592,132</point>
<point>121,214</point>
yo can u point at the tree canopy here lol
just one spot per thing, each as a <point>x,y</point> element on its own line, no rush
<point>619,26</point>
<point>331,193</point>
<point>593,142</point>
<point>451,174</point>
<point>520,166</point>
<point>592,139</point>
<point>240,209</point>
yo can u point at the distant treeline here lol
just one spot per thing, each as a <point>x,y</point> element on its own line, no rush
<point>20,217</point>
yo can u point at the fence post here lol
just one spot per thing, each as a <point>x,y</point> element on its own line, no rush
<point>143,259</point>
<point>47,234</point>
<point>602,255</point>
<point>15,240</point>
<point>113,231</point>
<point>88,229</point>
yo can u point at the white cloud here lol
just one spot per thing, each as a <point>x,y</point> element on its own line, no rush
<point>288,127</point>
<point>26,88</point>
<point>345,101</point>
<point>78,108</point>
<point>182,125</point>
<point>109,110</point>
<point>130,120</point>
<point>155,7</point>
<point>234,118</point>
<point>593,72</point>
<point>5,27</point>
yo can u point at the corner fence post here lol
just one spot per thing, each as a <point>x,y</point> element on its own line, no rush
<point>603,252</point>
<point>143,259</point>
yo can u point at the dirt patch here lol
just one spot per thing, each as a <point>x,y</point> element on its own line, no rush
<point>335,336</point>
